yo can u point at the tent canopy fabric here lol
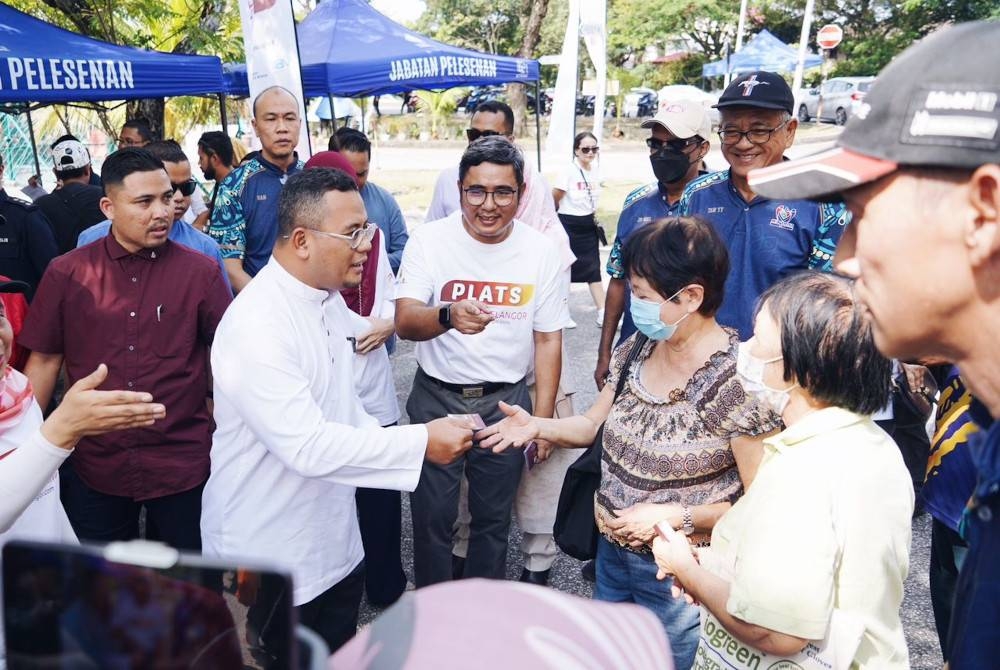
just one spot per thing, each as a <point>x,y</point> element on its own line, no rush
<point>347,48</point>
<point>40,62</point>
<point>763,52</point>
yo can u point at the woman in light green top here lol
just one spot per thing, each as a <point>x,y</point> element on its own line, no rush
<point>816,553</point>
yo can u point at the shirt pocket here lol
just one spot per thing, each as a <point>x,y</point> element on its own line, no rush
<point>172,330</point>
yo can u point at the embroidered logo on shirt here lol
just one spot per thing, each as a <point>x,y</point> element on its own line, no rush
<point>492,293</point>
<point>261,196</point>
<point>783,217</point>
<point>716,210</point>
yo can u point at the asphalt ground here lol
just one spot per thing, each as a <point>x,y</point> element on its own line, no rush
<point>581,343</point>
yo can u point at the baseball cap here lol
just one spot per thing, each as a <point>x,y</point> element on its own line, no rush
<point>70,155</point>
<point>765,90</point>
<point>683,118</point>
<point>332,159</point>
<point>936,105</point>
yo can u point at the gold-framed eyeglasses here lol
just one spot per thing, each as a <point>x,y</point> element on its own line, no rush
<point>358,237</point>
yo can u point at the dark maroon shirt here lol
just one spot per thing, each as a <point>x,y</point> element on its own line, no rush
<point>151,317</point>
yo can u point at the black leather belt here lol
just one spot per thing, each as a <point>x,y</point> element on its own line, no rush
<point>470,390</point>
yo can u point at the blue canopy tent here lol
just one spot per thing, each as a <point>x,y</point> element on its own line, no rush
<point>43,64</point>
<point>763,52</point>
<point>348,49</point>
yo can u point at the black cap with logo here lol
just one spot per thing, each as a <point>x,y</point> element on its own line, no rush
<point>765,90</point>
<point>936,105</point>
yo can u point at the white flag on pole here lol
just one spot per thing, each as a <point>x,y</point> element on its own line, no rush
<point>593,27</point>
<point>272,54</point>
<point>559,142</point>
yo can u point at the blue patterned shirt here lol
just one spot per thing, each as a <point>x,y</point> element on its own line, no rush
<point>767,240</point>
<point>245,218</point>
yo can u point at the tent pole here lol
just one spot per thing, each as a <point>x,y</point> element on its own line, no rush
<point>34,147</point>
<point>333,116</point>
<point>222,113</point>
<point>538,123</point>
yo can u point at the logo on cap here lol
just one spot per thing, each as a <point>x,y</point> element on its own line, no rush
<point>751,83</point>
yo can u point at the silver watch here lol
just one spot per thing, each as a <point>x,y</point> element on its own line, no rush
<point>687,521</point>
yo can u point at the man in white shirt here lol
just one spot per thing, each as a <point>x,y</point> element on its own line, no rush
<point>293,440</point>
<point>482,295</point>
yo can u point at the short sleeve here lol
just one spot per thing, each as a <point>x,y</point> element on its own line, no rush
<point>43,328</point>
<point>552,311</point>
<point>791,592</point>
<point>564,179</point>
<point>416,280</point>
<point>228,224</point>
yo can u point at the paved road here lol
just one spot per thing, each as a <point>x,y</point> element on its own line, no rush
<point>918,617</point>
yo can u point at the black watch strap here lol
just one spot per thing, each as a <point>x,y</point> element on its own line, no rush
<point>444,316</point>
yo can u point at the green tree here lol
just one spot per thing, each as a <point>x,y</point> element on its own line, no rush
<point>493,26</point>
<point>635,24</point>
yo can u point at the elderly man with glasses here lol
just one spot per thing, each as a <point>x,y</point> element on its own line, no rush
<point>482,295</point>
<point>767,238</point>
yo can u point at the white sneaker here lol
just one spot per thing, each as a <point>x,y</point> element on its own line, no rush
<point>600,318</point>
<point>570,324</point>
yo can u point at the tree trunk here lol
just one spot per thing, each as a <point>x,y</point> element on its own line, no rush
<point>152,109</point>
<point>515,92</point>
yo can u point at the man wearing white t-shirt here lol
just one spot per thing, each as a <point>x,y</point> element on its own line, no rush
<point>292,439</point>
<point>480,292</point>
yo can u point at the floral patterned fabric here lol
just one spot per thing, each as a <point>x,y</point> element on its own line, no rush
<point>676,449</point>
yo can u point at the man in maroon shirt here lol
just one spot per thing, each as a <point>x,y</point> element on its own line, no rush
<point>148,308</point>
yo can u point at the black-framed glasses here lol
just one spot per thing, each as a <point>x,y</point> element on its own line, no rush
<point>185,187</point>
<point>589,150</point>
<point>357,237</point>
<point>502,197</point>
<point>657,145</point>
<point>474,134</point>
<point>754,135</point>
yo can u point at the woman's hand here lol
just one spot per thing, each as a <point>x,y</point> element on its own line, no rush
<point>673,553</point>
<point>381,330</point>
<point>516,430</point>
<point>87,411</point>
<point>636,524</point>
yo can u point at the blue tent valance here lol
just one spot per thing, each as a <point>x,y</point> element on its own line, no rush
<point>349,49</point>
<point>763,52</point>
<point>40,62</point>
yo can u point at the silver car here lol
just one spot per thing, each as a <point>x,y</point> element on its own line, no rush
<point>835,100</point>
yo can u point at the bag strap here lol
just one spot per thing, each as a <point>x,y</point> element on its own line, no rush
<point>590,193</point>
<point>640,341</point>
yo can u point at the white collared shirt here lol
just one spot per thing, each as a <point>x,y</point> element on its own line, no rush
<point>292,440</point>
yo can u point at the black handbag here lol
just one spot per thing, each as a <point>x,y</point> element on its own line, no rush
<point>575,530</point>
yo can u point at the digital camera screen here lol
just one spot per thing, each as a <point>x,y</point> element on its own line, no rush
<point>69,608</point>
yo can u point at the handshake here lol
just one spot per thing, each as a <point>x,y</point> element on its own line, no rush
<point>451,436</point>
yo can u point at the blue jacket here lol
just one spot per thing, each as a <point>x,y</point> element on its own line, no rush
<point>767,240</point>
<point>384,212</point>
<point>245,219</point>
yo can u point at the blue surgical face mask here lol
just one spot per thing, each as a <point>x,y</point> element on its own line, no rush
<point>646,316</point>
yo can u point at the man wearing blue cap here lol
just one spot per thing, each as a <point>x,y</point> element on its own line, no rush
<point>767,239</point>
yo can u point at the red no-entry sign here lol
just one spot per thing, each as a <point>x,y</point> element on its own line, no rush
<point>829,36</point>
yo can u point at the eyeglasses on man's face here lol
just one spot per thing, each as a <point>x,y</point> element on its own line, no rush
<point>502,197</point>
<point>358,237</point>
<point>754,135</point>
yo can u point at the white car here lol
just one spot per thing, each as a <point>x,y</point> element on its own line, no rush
<point>668,94</point>
<point>835,100</point>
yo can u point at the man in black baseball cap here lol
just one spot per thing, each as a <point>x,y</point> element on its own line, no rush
<point>919,167</point>
<point>767,238</point>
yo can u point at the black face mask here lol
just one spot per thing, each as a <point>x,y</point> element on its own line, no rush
<point>669,166</point>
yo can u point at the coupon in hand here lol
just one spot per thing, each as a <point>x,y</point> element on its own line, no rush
<point>473,421</point>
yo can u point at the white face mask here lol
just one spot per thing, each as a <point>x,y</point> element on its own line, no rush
<point>751,369</point>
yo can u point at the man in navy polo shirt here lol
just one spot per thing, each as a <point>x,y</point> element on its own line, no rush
<point>767,239</point>
<point>245,218</point>
<point>678,142</point>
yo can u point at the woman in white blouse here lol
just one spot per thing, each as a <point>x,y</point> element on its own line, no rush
<point>576,195</point>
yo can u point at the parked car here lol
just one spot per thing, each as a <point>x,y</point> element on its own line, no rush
<point>859,95</point>
<point>834,100</point>
<point>639,102</point>
<point>667,94</point>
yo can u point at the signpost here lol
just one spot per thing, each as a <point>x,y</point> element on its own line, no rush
<point>828,37</point>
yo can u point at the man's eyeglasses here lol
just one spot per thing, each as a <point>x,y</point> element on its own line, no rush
<point>185,187</point>
<point>656,145</point>
<point>754,135</point>
<point>589,150</point>
<point>474,134</point>
<point>502,197</point>
<point>358,237</point>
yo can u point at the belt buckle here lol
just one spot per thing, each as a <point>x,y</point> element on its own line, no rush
<point>472,392</point>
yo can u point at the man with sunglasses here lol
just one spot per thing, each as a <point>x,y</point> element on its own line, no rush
<point>678,143</point>
<point>767,239</point>
<point>482,294</point>
<point>148,308</point>
<point>178,168</point>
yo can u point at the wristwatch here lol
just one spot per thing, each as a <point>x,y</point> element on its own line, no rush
<point>687,521</point>
<point>444,317</point>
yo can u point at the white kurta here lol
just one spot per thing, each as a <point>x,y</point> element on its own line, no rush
<point>292,440</point>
